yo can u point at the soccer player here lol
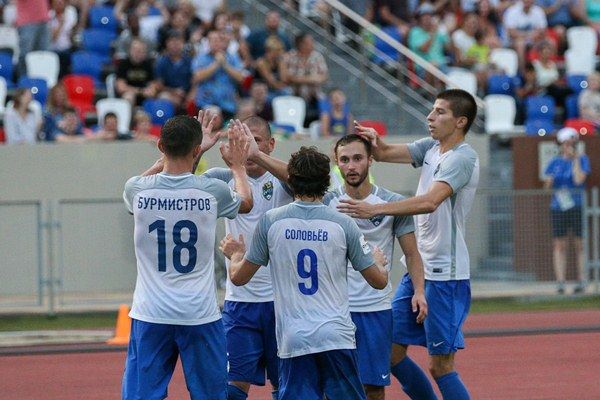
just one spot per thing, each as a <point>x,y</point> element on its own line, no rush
<point>174,309</point>
<point>307,245</point>
<point>248,312</point>
<point>449,178</point>
<point>371,310</point>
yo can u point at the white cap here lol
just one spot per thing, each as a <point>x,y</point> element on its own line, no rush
<point>565,134</point>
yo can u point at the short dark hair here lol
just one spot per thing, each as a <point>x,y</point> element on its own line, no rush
<point>259,123</point>
<point>179,135</point>
<point>353,137</point>
<point>462,104</point>
<point>300,38</point>
<point>110,114</point>
<point>308,172</point>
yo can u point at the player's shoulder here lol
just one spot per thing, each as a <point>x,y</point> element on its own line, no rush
<point>139,183</point>
<point>222,174</point>
<point>386,194</point>
<point>464,154</point>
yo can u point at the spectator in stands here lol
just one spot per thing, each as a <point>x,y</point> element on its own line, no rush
<point>336,118</point>
<point>489,23</point>
<point>173,71</point>
<point>21,125</point>
<point>127,35</point>
<point>396,13</point>
<point>142,127</point>
<point>525,23</point>
<point>463,38</point>
<point>179,22</point>
<point>216,75</point>
<point>257,39</point>
<point>63,20</point>
<point>260,94</point>
<point>57,105</point>
<point>240,33</point>
<point>33,28</point>
<point>109,130</point>
<point>269,67</point>
<point>528,87</point>
<point>589,13</point>
<point>305,70</point>
<point>206,10</point>
<point>150,21</point>
<point>429,41</point>
<point>68,129</point>
<point>566,174</point>
<point>547,75</point>
<point>589,99</point>
<point>561,15</point>
<point>135,75</point>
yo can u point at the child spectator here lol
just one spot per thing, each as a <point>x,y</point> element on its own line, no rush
<point>336,118</point>
<point>69,129</point>
<point>109,130</point>
<point>142,127</point>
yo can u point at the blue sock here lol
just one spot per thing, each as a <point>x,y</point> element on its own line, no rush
<point>452,387</point>
<point>275,394</point>
<point>235,393</point>
<point>413,380</point>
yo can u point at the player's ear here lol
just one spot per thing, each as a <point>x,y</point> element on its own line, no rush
<point>197,149</point>
<point>461,122</point>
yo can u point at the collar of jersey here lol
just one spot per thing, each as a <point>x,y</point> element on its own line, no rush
<point>185,174</point>
<point>308,204</point>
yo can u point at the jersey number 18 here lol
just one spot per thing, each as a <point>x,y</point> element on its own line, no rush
<point>189,245</point>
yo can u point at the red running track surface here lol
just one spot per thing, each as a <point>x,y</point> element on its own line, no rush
<point>557,366</point>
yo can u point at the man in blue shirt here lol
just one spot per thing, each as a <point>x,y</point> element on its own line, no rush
<point>566,174</point>
<point>173,70</point>
<point>217,75</point>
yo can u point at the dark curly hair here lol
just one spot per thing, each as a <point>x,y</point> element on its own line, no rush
<point>308,172</point>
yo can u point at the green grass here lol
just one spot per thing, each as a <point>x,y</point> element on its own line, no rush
<point>108,320</point>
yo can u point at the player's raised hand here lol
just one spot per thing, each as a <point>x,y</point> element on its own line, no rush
<point>369,134</point>
<point>209,135</point>
<point>419,304</point>
<point>356,208</point>
<point>229,246</point>
<point>253,150</point>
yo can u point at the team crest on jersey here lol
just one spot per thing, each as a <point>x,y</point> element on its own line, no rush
<point>376,220</point>
<point>267,190</point>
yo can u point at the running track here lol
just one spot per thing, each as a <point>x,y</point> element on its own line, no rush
<point>561,361</point>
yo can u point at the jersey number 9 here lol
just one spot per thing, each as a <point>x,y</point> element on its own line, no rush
<point>312,272</point>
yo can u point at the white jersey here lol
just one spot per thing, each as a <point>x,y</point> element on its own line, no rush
<point>379,231</point>
<point>268,192</point>
<point>307,246</point>
<point>441,234</point>
<point>175,221</point>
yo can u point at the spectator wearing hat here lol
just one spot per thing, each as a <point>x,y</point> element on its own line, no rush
<point>565,175</point>
<point>173,70</point>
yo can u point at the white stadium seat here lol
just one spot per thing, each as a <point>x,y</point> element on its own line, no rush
<point>44,65</point>
<point>500,111</point>
<point>463,79</point>
<point>582,39</point>
<point>121,107</point>
<point>579,63</point>
<point>289,110</point>
<point>505,59</point>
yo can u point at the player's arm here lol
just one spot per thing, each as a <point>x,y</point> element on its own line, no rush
<point>275,166</point>
<point>423,204</point>
<point>235,154</point>
<point>240,269</point>
<point>414,264</point>
<point>395,153</point>
<point>377,275</point>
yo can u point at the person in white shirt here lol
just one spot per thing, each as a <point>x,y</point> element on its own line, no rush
<point>449,178</point>
<point>174,311</point>
<point>525,23</point>
<point>307,246</point>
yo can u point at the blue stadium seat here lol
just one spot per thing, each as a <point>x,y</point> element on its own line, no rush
<point>99,41</point>
<point>7,69</point>
<point>87,63</point>
<point>501,84</point>
<point>103,17</point>
<point>539,127</point>
<point>160,110</point>
<point>577,83</point>
<point>384,53</point>
<point>38,87</point>
<point>540,108</point>
<point>572,106</point>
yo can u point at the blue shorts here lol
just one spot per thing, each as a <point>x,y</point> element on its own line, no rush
<point>152,356</point>
<point>251,342</point>
<point>331,373</point>
<point>373,346</point>
<point>448,303</point>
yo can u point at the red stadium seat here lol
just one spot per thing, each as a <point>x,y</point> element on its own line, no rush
<point>2,137</point>
<point>80,91</point>
<point>583,126</point>
<point>379,126</point>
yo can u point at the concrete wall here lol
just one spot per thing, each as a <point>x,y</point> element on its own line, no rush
<point>63,220</point>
